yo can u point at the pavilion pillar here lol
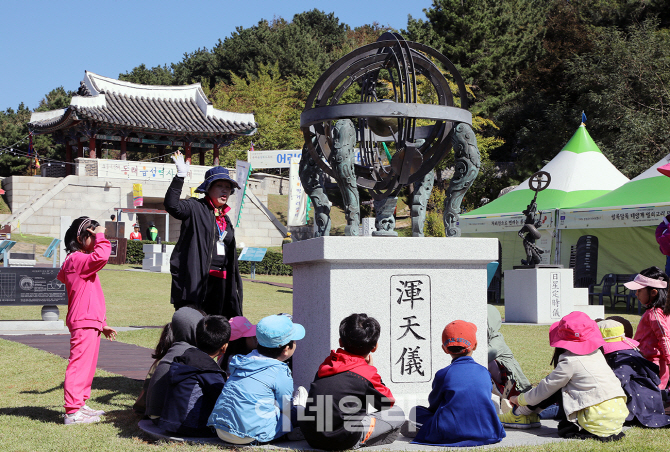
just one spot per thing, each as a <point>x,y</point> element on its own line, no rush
<point>91,148</point>
<point>161,151</point>
<point>124,150</point>
<point>68,158</point>
<point>202,157</point>
<point>216,154</point>
<point>187,151</point>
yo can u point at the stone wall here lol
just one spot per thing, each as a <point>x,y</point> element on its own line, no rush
<point>97,197</point>
<point>255,228</point>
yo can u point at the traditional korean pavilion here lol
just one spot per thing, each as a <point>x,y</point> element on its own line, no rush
<point>109,114</point>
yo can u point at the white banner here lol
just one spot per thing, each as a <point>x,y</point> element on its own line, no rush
<point>501,223</point>
<point>297,198</point>
<point>616,217</point>
<point>273,159</point>
<point>128,169</point>
<point>279,159</point>
<point>242,170</point>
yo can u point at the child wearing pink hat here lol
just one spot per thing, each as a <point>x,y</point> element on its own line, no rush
<point>242,340</point>
<point>582,384</point>
<point>653,332</point>
<point>638,376</point>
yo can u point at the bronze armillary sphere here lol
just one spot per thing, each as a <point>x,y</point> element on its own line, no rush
<point>418,149</point>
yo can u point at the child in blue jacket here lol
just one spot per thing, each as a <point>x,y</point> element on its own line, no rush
<point>461,412</point>
<point>253,405</point>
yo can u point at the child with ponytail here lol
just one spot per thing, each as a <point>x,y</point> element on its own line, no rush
<point>87,253</point>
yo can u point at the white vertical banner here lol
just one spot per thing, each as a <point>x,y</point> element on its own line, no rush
<point>297,199</point>
<point>242,171</point>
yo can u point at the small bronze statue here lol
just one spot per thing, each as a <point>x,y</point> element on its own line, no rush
<point>529,233</point>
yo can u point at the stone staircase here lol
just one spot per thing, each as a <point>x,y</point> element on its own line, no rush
<point>27,209</point>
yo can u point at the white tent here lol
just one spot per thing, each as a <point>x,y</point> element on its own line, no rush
<point>624,221</point>
<point>579,172</point>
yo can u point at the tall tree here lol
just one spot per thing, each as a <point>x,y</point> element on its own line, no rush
<point>158,75</point>
<point>273,101</point>
<point>625,85</point>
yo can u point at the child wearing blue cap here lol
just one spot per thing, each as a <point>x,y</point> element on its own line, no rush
<point>254,405</point>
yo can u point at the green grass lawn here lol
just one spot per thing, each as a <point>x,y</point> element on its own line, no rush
<point>32,395</point>
<point>4,208</point>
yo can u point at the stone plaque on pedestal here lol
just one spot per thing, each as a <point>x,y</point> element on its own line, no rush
<point>544,295</point>
<point>414,286</point>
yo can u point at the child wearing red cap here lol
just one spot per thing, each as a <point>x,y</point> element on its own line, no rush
<point>653,331</point>
<point>460,412</point>
<point>582,384</point>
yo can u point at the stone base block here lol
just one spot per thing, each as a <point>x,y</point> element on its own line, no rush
<point>544,295</point>
<point>414,287</point>
<point>31,325</point>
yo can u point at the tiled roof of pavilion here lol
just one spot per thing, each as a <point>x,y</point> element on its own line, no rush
<point>159,109</point>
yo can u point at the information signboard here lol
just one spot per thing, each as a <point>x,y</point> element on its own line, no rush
<point>24,286</point>
<point>252,254</point>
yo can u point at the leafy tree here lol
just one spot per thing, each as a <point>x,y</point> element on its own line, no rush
<point>159,75</point>
<point>273,101</point>
<point>198,66</point>
<point>301,48</point>
<point>623,84</point>
<point>489,41</point>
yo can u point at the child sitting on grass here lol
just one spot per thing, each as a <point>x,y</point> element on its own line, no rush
<point>184,323</point>
<point>242,340</point>
<point>164,343</point>
<point>196,380</point>
<point>336,416</point>
<point>460,412</point>
<point>593,405</point>
<point>253,406</point>
<point>638,376</point>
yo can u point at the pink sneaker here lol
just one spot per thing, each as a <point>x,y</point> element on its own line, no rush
<point>88,411</point>
<point>79,418</point>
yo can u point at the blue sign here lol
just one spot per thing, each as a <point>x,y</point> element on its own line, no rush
<point>252,254</point>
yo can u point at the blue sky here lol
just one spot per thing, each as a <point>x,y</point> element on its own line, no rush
<point>45,44</point>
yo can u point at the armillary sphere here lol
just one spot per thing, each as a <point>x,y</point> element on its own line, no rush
<point>539,181</point>
<point>393,119</point>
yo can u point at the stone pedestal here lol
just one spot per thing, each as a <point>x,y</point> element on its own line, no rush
<point>544,295</point>
<point>155,260</point>
<point>413,286</point>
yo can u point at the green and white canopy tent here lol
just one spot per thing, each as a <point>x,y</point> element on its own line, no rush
<point>624,221</point>
<point>579,172</point>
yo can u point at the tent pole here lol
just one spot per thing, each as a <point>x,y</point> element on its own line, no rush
<point>557,253</point>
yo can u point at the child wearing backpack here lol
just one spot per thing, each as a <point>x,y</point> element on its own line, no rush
<point>638,376</point>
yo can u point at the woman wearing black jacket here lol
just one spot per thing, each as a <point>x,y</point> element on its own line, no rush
<point>204,266</point>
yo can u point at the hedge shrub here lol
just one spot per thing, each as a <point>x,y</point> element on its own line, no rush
<point>272,263</point>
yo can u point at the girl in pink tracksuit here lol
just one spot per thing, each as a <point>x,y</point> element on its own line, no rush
<point>653,332</point>
<point>88,251</point>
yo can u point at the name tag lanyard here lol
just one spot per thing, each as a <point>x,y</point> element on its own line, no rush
<point>220,246</point>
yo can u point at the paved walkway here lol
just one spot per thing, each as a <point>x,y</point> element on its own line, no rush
<point>117,357</point>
